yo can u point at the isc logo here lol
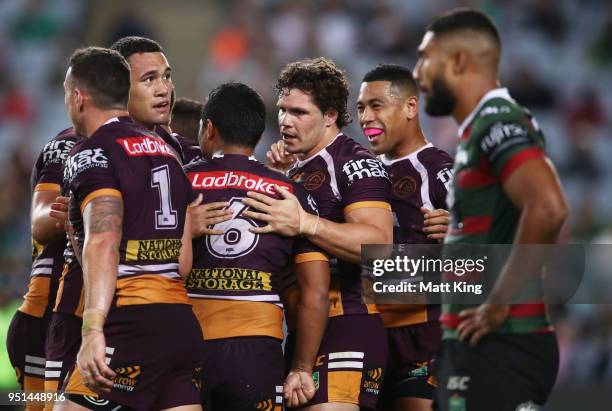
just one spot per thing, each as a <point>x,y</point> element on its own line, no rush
<point>458,383</point>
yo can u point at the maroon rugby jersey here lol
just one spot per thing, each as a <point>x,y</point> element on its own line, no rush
<point>47,260</point>
<point>419,179</point>
<point>191,150</point>
<point>343,177</point>
<point>234,283</point>
<point>125,160</point>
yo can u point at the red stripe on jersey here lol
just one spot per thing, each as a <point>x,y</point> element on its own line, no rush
<point>145,146</point>
<point>477,177</point>
<point>518,159</point>
<point>527,310</point>
<point>450,320</point>
<point>466,133</point>
<point>219,180</point>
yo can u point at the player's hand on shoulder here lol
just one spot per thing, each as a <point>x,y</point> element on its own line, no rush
<point>279,159</point>
<point>205,216</point>
<point>284,216</point>
<point>299,388</point>
<point>436,223</point>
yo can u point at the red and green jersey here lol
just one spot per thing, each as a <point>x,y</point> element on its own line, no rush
<point>494,140</point>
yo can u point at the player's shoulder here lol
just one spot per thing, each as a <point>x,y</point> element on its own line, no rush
<point>433,157</point>
<point>344,148</point>
<point>497,111</point>
<point>58,148</point>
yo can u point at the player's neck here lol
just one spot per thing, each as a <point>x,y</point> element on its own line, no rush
<point>97,118</point>
<point>468,99</point>
<point>237,150</point>
<point>409,145</point>
<point>328,137</point>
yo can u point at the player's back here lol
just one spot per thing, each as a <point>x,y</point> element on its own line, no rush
<point>125,160</point>
<point>234,283</point>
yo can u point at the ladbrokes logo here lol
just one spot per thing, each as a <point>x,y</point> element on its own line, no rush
<point>364,168</point>
<point>145,146</point>
<point>153,250</point>
<point>216,180</point>
<point>234,279</point>
<point>126,378</point>
<point>373,381</point>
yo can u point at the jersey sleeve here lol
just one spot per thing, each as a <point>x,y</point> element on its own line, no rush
<point>303,249</point>
<point>508,142</point>
<point>50,161</point>
<point>364,183</point>
<point>440,181</point>
<point>91,174</point>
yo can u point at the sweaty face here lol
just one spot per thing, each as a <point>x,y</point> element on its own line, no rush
<point>151,89</point>
<point>301,123</point>
<point>381,115</point>
<point>429,74</point>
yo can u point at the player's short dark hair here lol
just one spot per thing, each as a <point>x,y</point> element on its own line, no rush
<point>398,76</point>
<point>104,73</point>
<point>186,117</point>
<point>134,44</point>
<point>238,112</point>
<point>323,80</point>
<point>464,18</point>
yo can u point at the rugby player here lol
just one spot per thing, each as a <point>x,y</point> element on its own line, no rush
<point>152,89</point>
<point>506,191</point>
<point>234,283</point>
<point>135,245</point>
<point>420,173</point>
<point>28,329</point>
<point>352,191</point>
<point>185,126</point>
<point>151,97</point>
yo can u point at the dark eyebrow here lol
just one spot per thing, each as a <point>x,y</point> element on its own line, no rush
<point>148,74</point>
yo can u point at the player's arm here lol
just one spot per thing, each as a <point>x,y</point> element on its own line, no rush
<point>365,225</point>
<point>103,220</point>
<point>186,252</point>
<point>535,190</point>
<point>312,314</point>
<point>44,227</point>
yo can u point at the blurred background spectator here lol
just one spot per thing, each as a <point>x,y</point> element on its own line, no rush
<point>556,61</point>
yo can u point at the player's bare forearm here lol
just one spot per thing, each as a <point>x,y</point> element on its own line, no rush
<point>103,221</point>
<point>312,313</point>
<point>186,253</point>
<point>535,190</point>
<point>44,227</point>
<point>363,226</point>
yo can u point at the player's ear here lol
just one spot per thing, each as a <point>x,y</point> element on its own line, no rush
<point>460,61</point>
<point>211,130</point>
<point>79,99</point>
<point>411,107</point>
<point>330,117</point>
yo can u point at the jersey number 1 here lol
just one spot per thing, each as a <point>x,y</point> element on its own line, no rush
<point>165,216</point>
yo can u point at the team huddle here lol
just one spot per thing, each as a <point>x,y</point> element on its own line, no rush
<point>167,259</point>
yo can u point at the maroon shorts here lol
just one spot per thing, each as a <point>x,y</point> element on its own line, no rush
<point>63,342</point>
<point>243,374</point>
<point>351,361</point>
<point>412,350</point>
<point>156,352</point>
<point>25,344</point>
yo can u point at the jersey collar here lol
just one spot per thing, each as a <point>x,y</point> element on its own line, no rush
<point>387,161</point>
<point>501,92</point>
